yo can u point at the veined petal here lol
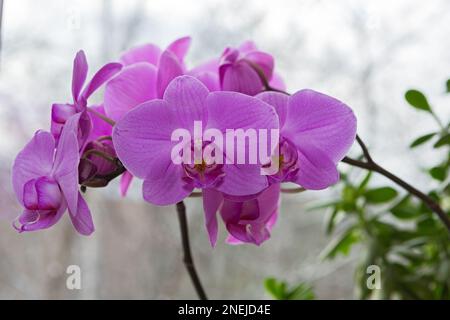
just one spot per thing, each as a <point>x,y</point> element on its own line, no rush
<point>212,201</point>
<point>125,181</point>
<point>186,97</point>
<point>34,161</point>
<point>82,219</point>
<point>316,170</point>
<point>277,82</point>
<point>233,110</point>
<point>65,168</point>
<point>180,47</point>
<point>262,60</point>
<point>102,75</point>
<point>142,138</point>
<point>38,220</point>
<point>99,126</point>
<point>169,68</point>
<point>322,121</point>
<point>277,100</point>
<point>149,53</point>
<point>79,73</point>
<point>240,77</point>
<point>132,86</point>
<point>165,187</point>
<point>242,180</point>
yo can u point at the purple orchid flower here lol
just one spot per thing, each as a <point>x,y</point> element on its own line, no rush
<point>316,131</point>
<point>46,181</point>
<point>248,221</point>
<point>61,112</point>
<point>246,69</point>
<point>142,140</point>
<point>148,70</point>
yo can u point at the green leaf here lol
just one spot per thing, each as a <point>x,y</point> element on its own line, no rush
<point>341,244</point>
<point>444,140</point>
<point>380,195</point>
<point>418,100</point>
<point>422,140</point>
<point>276,288</point>
<point>302,292</point>
<point>362,186</point>
<point>438,173</point>
<point>331,221</point>
<point>405,209</point>
<point>448,86</point>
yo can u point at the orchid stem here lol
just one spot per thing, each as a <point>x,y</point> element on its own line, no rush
<point>102,116</point>
<point>187,259</point>
<point>371,165</point>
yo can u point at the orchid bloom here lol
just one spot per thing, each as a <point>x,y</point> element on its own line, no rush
<point>246,69</point>
<point>316,131</point>
<point>142,140</point>
<point>46,181</point>
<point>61,112</point>
<point>147,72</point>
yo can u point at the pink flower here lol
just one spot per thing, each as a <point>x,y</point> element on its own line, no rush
<point>142,139</point>
<point>247,70</point>
<point>61,112</point>
<point>316,131</point>
<point>45,181</point>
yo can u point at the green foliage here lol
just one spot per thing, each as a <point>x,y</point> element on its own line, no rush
<point>397,232</point>
<point>417,100</point>
<point>279,290</point>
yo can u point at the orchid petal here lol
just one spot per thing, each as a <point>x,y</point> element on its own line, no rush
<point>79,73</point>
<point>180,47</point>
<point>322,121</point>
<point>82,219</point>
<point>186,97</point>
<point>125,181</point>
<point>149,128</point>
<point>149,53</point>
<point>212,200</point>
<point>277,100</point>
<point>168,69</point>
<point>104,74</point>
<point>34,161</point>
<point>134,85</point>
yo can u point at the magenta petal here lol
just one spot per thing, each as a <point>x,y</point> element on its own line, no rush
<point>38,220</point>
<point>100,127</point>
<point>322,121</point>
<point>232,110</point>
<point>240,77</point>
<point>247,46</point>
<point>134,85</point>
<point>34,161</point>
<point>30,196</point>
<point>125,181</point>
<point>212,200</point>
<point>262,60</point>
<point>82,219</point>
<point>65,168</point>
<point>165,187</point>
<point>277,82</point>
<point>168,69</point>
<point>242,180</point>
<point>209,79</point>
<point>316,170</point>
<point>142,137</point>
<point>180,47</point>
<point>277,100</point>
<point>146,53</point>
<point>79,73</point>
<point>186,97</point>
<point>48,194</point>
<point>62,111</point>
<point>102,75</point>
<point>208,66</point>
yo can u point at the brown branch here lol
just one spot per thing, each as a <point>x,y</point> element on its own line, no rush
<point>371,165</point>
<point>187,259</point>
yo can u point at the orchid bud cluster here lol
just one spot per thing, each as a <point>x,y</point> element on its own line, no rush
<point>150,96</point>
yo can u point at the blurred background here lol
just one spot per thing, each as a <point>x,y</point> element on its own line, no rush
<point>364,53</point>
